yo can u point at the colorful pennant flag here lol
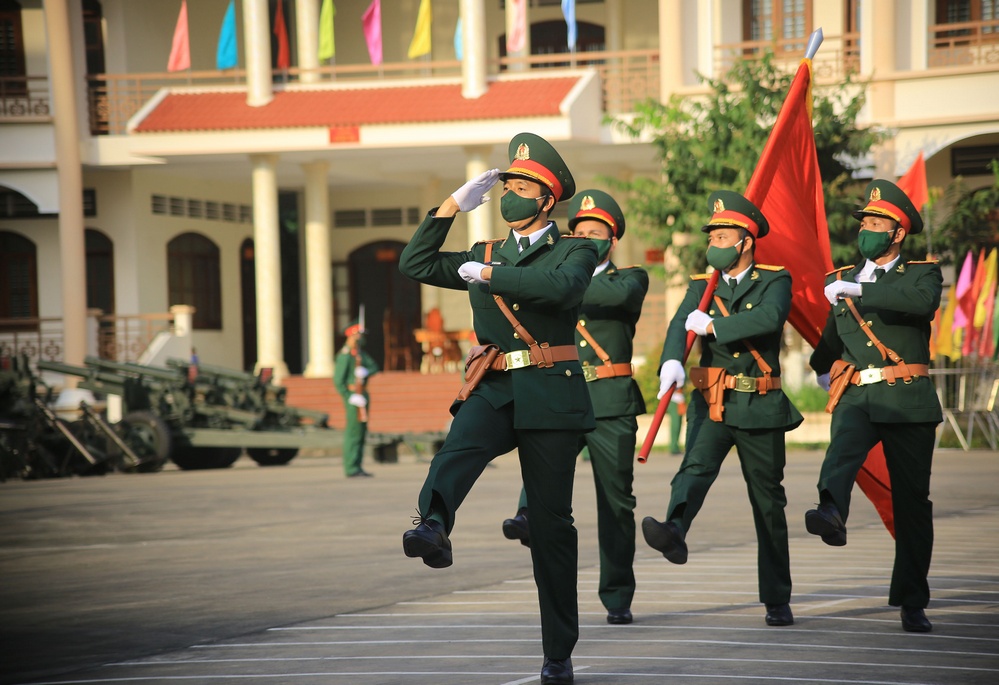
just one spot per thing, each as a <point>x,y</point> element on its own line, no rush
<point>516,36</point>
<point>985,291</point>
<point>964,280</point>
<point>569,12</point>
<point>227,53</point>
<point>327,44</point>
<point>180,49</point>
<point>281,32</point>
<point>969,303</point>
<point>372,23</point>
<point>945,330</point>
<point>421,37</point>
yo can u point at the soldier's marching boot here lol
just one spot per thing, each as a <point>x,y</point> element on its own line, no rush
<point>666,538</point>
<point>914,620</point>
<point>516,528</point>
<point>430,542</point>
<point>556,672</point>
<point>826,522</point>
<point>779,615</point>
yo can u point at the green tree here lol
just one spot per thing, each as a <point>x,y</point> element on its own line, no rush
<point>963,220</point>
<point>713,142</point>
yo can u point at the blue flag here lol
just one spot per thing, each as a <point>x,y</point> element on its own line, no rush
<point>569,12</point>
<point>458,48</point>
<point>227,55</point>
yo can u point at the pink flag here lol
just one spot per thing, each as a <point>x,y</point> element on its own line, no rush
<point>372,22</point>
<point>913,183</point>
<point>961,318</point>
<point>180,51</point>
<point>516,37</point>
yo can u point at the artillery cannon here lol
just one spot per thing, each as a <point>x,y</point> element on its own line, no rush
<point>202,416</point>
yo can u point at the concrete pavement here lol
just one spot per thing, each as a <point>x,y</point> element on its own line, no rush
<point>296,575</point>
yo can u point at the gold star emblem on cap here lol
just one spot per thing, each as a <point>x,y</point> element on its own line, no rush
<point>587,204</point>
<point>719,206</point>
<point>876,195</point>
<point>523,152</point>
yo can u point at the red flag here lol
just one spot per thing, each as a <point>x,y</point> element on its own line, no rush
<point>787,188</point>
<point>913,183</point>
<point>281,31</point>
<point>968,302</point>
<point>180,50</point>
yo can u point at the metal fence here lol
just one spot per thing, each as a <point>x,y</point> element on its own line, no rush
<point>968,396</point>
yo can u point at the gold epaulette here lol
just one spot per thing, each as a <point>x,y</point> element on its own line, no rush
<point>493,240</point>
<point>769,267</point>
<point>630,266</point>
<point>700,277</point>
<point>924,261</point>
<point>842,268</point>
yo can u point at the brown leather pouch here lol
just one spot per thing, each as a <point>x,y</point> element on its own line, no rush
<point>710,380</point>
<point>839,380</point>
<point>477,363</point>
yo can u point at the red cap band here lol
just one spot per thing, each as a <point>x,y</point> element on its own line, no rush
<point>730,219</point>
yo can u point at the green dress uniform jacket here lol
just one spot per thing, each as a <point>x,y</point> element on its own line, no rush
<point>755,424</point>
<point>899,308</point>
<point>355,430</point>
<point>538,411</point>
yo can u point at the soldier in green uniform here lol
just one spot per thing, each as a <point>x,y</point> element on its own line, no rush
<point>604,334</point>
<point>881,369</point>
<point>352,367</point>
<point>738,398</point>
<point>525,292</point>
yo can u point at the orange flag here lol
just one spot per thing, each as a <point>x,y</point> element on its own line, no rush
<point>180,50</point>
<point>913,183</point>
<point>281,32</point>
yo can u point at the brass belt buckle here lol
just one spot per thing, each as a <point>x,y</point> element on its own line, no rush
<point>868,376</point>
<point>589,373</point>
<point>745,383</point>
<point>518,359</point>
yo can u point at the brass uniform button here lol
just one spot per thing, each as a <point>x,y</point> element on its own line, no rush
<point>516,336</point>
<point>735,355</point>
<point>870,344</point>
<point>711,312</point>
<point>568,372</point>
<point>582,323</point>
<point>749,305</point>
<point>516,307</point>
<point>582,343</point>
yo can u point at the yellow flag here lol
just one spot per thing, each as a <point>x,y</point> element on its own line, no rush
<point>421,39</point>
<point>327,45</point>
<point>988,285</point>
<point>945,333</point>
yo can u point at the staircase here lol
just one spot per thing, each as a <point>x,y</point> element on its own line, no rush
<point>401,401</point>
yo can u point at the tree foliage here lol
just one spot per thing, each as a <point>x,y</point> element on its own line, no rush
<point>713,142</point>
<point>963,220</point>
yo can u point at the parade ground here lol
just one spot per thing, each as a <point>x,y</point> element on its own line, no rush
<point>296,575</point>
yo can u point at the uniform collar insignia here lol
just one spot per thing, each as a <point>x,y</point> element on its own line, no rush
<point>523,152</point>
<point>876,195</point>
<point>719,206</point>
<point>755,275</point>
<point>901,268</point>
<point>550,241</point>
<point>587,204</point>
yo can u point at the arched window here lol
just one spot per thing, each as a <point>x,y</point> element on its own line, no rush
<point>18,277</point>
<point>193,278</point>
<point>100,271</point>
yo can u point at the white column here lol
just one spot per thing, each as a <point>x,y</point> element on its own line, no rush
<point>920,32</point>
<point>307,39</point>
<point>474,39</point>
<point>709,33</point>
<point>257,48</point>
<point>72,254</point>
<point>614,30</point>
<point>267,266</point>
<point>480,221</point>
<point>318,270</point>
<point>670,48</point>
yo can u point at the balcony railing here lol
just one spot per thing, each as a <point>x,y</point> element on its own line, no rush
<point>840,55</point>
<point>24,98</point>
<point>963,44</point>
<point>626,78</point>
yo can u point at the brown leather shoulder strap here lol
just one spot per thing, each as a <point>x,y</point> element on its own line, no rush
<point>886,352</point>
<point>604,357</point>
<point>760,361</point>
<point>517,326</point>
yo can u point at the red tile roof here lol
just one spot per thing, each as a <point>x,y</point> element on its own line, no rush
<point>179,112</point>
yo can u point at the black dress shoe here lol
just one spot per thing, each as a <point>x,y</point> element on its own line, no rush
<point>666,538</point>
<point>361,474</point>
<point>826,522</point>
<point>619,617</point>
<point>556,672</point>
<point>779,615</point>
<point>914,620</point>
<point>516,528</point>
<point>428,541</point>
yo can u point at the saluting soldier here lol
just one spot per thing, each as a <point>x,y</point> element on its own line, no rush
<point>525,292</point>
<point>875,346</point>
<point>607,320</point>
<point>352,368</point>
<point>740,402</point>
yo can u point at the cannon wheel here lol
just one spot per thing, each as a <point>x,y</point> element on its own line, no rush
<point>149,437</point>
<point>273,456</point>
<point>190,458</point>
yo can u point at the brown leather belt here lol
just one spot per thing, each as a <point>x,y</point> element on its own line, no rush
<point>539,355</point>
<point>762,385</point>
<point>600,371</point>
<point>891,374</point>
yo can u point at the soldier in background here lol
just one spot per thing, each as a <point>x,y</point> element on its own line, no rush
<point>352,368</point>
<point>875,348</point>
<point>740,402</point>
<point>611,308</point>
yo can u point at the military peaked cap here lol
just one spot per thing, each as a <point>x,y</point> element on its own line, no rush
<point>597,205</point>
<point>731,210</point>
<point>886,199</point>
<point>353,329</point>
<point>532,157</point>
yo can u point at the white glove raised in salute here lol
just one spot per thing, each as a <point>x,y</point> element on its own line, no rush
<point>698,322</point>
<point>837,290</point>
<point>472,272</point>
<point>670,374</point>
<point>473,193</point>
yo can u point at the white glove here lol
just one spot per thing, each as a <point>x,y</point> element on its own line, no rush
<point>472,272</point>
<point>698,322</point>
<point>677,397</point>
<point>361,372</point>
<point>357,399</point>
<point>473,193</point>
<point>838,290</point>
<point>670,374</point>
<point>823,381</point>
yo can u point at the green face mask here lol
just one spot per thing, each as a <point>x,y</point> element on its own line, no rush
<point>515,208</point>
<point>873,245</point>
<point>723,257</point>
<point>603,249</point>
